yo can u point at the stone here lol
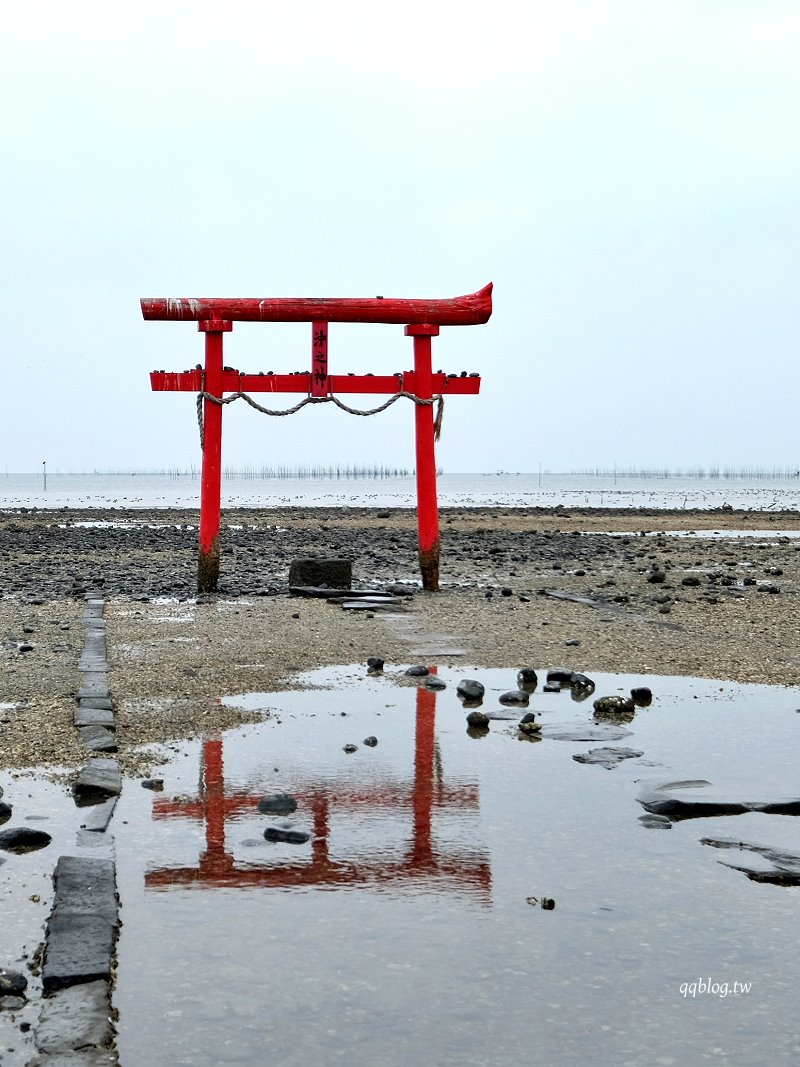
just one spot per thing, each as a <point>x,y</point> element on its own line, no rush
<point>277,804</point>
<point>417,672</point>
<point>613,705</point>
<point>527,678</point>
<point>469,689</point>
<point>5,812</point>
<point>434,682</point>
<point>98,738</point>
<point>89,716</point>
<point>156,784</point>
<point>581,681</point>
<point>21,839</point>
<point>82,926</point>
<point>74,1018</point>
<point>697,799</point>
<point>761,863</point>
<point>560,675</point>
<point>12,983</point>
<point>375,663</point>
<point>515,698</point>
<point>607,757</point>
<point>99,779</point>
<point>292,837</point>
<point>586,732</point>
<point>477,719</point>
<point>642,696</point>
<point>370,741</point>
<point>335,573</point>
<point>530,727</point>
<point>655,822</point>
<point>350,749</point>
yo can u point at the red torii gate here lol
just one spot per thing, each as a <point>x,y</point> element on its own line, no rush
<point>422,319</point>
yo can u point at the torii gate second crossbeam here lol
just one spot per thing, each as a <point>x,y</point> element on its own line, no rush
<point>422,320</point>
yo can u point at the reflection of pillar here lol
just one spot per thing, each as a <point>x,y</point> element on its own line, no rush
<point>319,846</point>
<point>423,775</point>
<point>213,796</point>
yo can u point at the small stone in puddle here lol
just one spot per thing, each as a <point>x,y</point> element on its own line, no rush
<point>417,672</point>
<point>349,749</point>
<point>613,705</point>
<point>20,839</point>
<point>434,682</point>
<point>560,675</point>
<point>156,784</point>
<point>5,812</point>
<point>515,698</point>
<point>529,727</point>
<point>375,663</point>
<point>291,837</point>
<point>371,741</point>
<point>478,718</point>
<point>12,983</point>
<point>642,696</point>
<point>527,678</point>
<point>277,804</point>
<point>655,822</point>
<point>469,689</point>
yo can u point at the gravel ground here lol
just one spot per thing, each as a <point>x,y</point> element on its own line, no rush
<point>171,659</point>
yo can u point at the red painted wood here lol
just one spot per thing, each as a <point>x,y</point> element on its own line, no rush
<point>427,503</point>
<point>191,381</point>
<point>469,310</point>
<point>319,359</point>
<point>211,479</point>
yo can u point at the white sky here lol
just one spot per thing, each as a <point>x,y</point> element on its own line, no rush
<point>626,172</point>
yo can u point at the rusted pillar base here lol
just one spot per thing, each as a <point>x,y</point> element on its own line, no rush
<point>208,568</point>
<point>429,568</point>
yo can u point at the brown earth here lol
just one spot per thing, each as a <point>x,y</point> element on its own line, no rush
<point>171,660</point>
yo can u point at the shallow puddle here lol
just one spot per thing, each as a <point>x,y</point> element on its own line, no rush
<point>409,927</point>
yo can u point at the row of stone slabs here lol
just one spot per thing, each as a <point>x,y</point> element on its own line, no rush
<point>75,1024</point>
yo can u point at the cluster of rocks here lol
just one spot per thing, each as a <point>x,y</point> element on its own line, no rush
<point>145,555</point>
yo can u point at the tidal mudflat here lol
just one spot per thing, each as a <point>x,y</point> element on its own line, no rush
<point>429,893</point>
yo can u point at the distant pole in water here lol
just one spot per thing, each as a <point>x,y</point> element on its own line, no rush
<point>44,474</point>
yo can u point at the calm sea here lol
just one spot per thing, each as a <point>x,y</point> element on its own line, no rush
<point>455,490</point>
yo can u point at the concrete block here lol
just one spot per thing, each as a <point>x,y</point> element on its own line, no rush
<point>336,573</point>
<point>75,1017</point>
<point>99,779</point>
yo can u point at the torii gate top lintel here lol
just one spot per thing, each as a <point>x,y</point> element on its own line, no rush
<point>473,309</point>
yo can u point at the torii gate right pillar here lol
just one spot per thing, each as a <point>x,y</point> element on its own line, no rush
<point>427,502</point>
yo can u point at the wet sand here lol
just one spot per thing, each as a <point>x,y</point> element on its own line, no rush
<point>616,602</point>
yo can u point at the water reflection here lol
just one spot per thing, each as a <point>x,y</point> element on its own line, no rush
<point>432,812</point>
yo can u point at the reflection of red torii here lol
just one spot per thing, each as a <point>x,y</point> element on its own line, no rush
<point>422,319</point>
<point>422,862</point>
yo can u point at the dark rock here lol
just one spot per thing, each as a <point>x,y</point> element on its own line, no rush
<point>434,682</point>
<point>156,784</point>
<point>375,663</point>
<point>581,681</point>
<point>417,672</point>
<point>335,573</point>
<point>25,647</point>
<point>529,726</point>
<point>527,678</point>
<point>506,591</point>
<point>594,731</point>
<point>98,780</point>
<point>21,839</point>
<point>478,718</point>
<point>350,749</point>
<point>469,689</point>
<point>655,822</point>
<point>291,837</point>
<point>689,800</point>
<point>656,577</point>
<point>515,698</point>
<point>690,580</point>
<point>607,757</point>
<point>561,675</point>
<point>12,983</point>
<point>642,696</point>
<point>762,863</point>
<point>370,741</point>
<point>551,687</point>
<point>613,705</point>
<point>277,804</point>
<point>5,812</point>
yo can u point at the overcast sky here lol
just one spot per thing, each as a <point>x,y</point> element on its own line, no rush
<point>626,172</point>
